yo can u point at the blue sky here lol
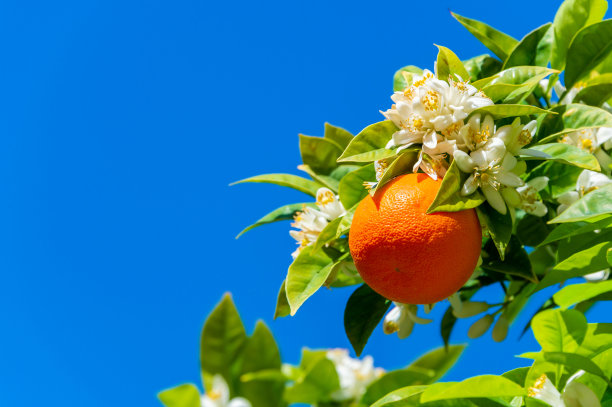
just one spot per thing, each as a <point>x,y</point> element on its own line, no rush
<point>123,122</point>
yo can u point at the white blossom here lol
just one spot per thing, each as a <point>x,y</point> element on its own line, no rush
<point>401,319</point>
<point>526,197</point>
<point>311,222</point>
<point>354,374</point>
<point>219,395</point>
<point>587,181</point>
<point>575,394</point>
<point>591,140</point>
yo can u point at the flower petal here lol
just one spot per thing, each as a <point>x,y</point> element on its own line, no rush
<point>470,185</point>
<point>494,198</point>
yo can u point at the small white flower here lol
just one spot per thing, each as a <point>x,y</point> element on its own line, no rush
<point>355,375</point>
<point>591,140</point>
<point>401,319</point>
<point>491,168</point>
<point>219,396</point>
<point>380,166</point>
<point>516,136</point>
<point>311,222</point>
<point>575,394</point>
<point>526,197</point>
<point>587,181</point>
<point>431,108</point>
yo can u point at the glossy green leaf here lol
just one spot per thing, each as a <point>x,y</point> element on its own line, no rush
<point>338,135</point>
<point>449,65</point>
<point>594,95</point>
<point>285,180</point>
<point>576,228</point>
<point>570,118</point>
<point>532,230</point>
<point>593,204</point>
<point>482,66</point>
<point>327,181</point>
<point>285,212</point>
<point>345,223</point>
<point>561,177</point>
<point>306,275</point>
<point>579,264</point>
<point>588,48</point>
<point>446,325</point>
<point>570,18</point>
<point>399,397</point>
<point>449,198</point>
<point>222,340</point>
<point>185,395</point>
<point>261,354</point>
<point>403,164</point>
<point>568,154</point>
<point>503,111</point>
<point>516,261</point>
<point>282,304</point>
<point>559,330</point>
<point>498,42</point>
<point>399,79</point>
<point>352,189</point>
<point>327,234</point>
<point>609,257</point>
<point>573,361</point>
<point>439,360</point>
<point>475,387</point>
<point>544,48</point>
<point>364,310</point>
<point>572,245</point>
<point>514,84</point>
<point>369,145</point>
<point>499,226</point>
<point>517,375</point>
<point>525,52</point>
<point>320,154</point>
<point>320,380</point>
<point>573,294</point>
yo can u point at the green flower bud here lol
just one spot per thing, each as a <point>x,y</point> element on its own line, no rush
<point>481,326</point>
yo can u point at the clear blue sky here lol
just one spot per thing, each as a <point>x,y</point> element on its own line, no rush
<point>122,124</point>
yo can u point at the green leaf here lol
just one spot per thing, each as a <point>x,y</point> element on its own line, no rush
<point>503,111</point>
<point>282,304</point>
<point>325,180</point>
<point>590,46</point>
<point>525,52</point>
<point>532,230</point>
<point>576,293</point>
<point>499,226</point>
<point>516,261</point>
<point>338,135</point>
<point>364,310</point>
<point>185,395</point>
<point>396,397</point>
<point>320,154</point>
<point>403,164</point>
<point>482,66</point>
<point>369,145</point>
<point>517,375</point>
<point>399,79</point>
<point>447,324</point>
<point>493,39</point>
<point>327,234</point>
<point>449,65</point>
<point>439,360</point>
<point>570,18</point>
<point>285,180</point>
<point>261,354</point>
<point>570,118</point>
<point>449,198</point>
<point>572,360</point>
<point>317,384</point>
<point>576,228</point>
<point>306,275</point>
<point>352,189</point>
<point>579,264</point>
<point>568,154</point>
<point>514,84</point>
<point>285,212</point>
<point>559,330</point>
<point>488,386</point>
<point>544,48</point>
<point>594,95</point>
<point>345,223</point>
<point>609,256</point>
<point>222,340</point>
<point>593,204</point>
<point>561,177</point>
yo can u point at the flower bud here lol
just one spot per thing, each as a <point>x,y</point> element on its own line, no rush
<point>520,168</point>
<point>481,326</point>
<point>500,330</point>
<point>469,309</point>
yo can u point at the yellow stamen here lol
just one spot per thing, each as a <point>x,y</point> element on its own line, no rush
<point>524,137</point>
<point>431,100</point>
<point>326,197</point>
<point>538,385</point>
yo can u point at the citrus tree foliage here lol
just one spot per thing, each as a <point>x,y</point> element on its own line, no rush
<point>523,137</point>
<point>239,370</point>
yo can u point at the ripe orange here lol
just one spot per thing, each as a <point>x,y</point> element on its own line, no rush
<point>405,254</point>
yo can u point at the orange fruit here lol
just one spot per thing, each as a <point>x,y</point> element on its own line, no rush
<point>407,255</point>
